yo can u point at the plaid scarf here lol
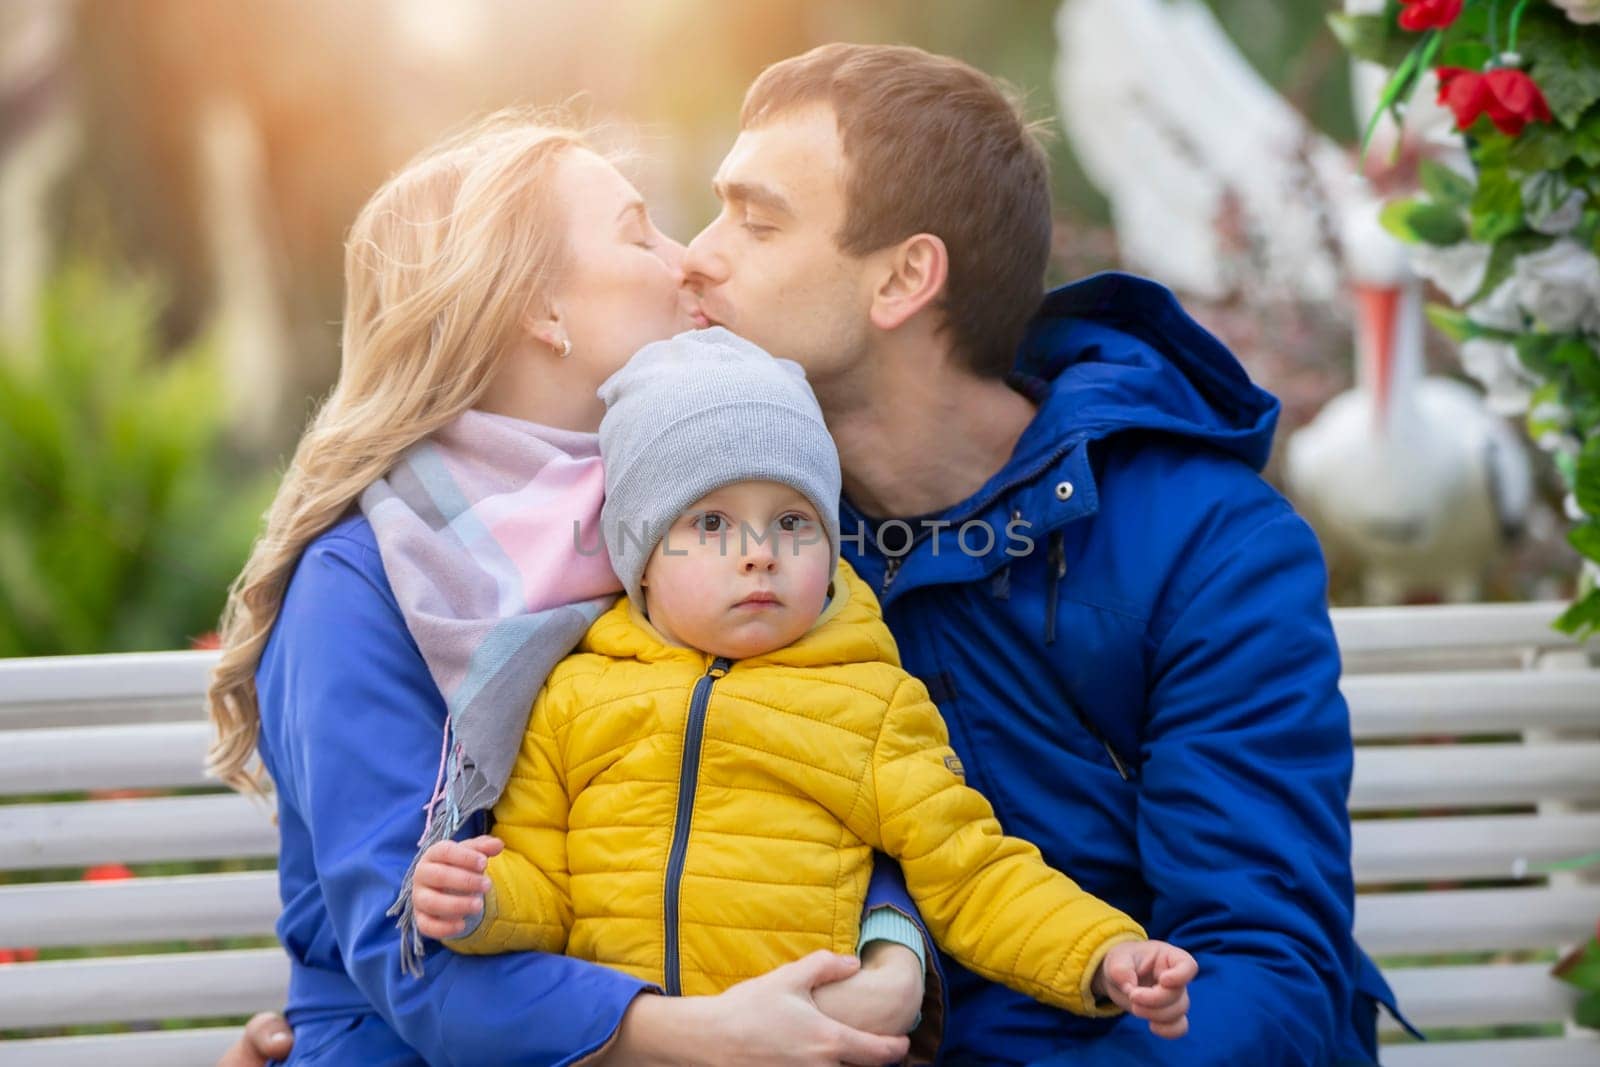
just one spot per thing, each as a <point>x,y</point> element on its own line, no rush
<point>489,533</point>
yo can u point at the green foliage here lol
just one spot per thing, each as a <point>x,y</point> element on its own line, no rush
<point>1586,485</point>
<point>125,514</point>
<point>1519,183</point>
<point>1375,38</point>
<point>1421,221</point>
<point>1452,323</point>
<point>1582,967</point>
<point>1587,1011</point>
<point>1496,206</point>
<point>1444,185</point>
<point>1564,61</point>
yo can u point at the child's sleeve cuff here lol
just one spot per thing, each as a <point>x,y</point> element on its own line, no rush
<point>890,924</point>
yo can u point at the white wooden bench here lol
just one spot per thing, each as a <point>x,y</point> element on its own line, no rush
<point>1521,785</point>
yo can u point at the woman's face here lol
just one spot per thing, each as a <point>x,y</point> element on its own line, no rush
<point>624,284</point>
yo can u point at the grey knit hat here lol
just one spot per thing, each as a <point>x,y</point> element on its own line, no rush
<point>690,415</point>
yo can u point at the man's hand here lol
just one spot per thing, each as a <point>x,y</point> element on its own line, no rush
<point>266,1037</point>
<point>450,884</point>
<point>883,997</point>
<point>1149,979</point>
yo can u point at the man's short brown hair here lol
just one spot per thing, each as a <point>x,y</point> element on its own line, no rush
<point>933,146</point>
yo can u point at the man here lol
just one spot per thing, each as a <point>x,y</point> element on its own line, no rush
<point>1060,510</point>
<point>1124,626</point>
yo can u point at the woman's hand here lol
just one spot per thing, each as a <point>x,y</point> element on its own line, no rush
<point>772,1019</point>
<point>1149,979</point>
<point>449,884</point>
<point>266,1037</point>
<point>883,997</point>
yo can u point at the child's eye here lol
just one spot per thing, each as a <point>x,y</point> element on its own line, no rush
<point>709,521</point>
<point>793,521</point>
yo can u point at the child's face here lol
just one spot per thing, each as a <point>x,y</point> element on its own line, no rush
<point>744,571</point>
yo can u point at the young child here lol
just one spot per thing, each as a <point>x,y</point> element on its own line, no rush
<point>703,782</point>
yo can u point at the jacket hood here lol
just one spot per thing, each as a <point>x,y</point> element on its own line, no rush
<point>1115,352</point>
<point>849,630</point>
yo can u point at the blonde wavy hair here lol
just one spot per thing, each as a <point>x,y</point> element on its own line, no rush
<point>440,267</point>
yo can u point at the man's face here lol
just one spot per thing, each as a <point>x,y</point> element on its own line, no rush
<point>767,266</point>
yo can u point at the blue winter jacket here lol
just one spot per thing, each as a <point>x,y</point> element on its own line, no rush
<point>1150,693</point>
<point>351,724</point>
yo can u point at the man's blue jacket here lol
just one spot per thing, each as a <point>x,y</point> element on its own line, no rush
<point>1149,692</point>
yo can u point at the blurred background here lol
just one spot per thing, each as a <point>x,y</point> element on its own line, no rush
<point>176,177</point>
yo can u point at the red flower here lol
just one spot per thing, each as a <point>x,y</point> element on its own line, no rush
<point>107,872</point>
<point>1420,15</point>
<point>1509,97</point>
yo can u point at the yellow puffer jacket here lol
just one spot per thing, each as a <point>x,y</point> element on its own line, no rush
<point>695,822</point>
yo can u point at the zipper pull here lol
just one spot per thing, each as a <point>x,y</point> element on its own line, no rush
<point>1116,761</point>
<point>719,667</point>
<point>1094,731</point>
<point>890,569</point>
<point>1000,588</point>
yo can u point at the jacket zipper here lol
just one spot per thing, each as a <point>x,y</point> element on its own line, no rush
<point>688,780</point>
<point>1058,571</point>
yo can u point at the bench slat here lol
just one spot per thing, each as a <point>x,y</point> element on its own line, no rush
<point>117,676</point>
<point>1475,920</point>
<point>155,1048</point>
<point>128,687</point>
<point>185,907</point>
<point>1474,776</point>
<point>179,985</point>
<point>104,757</point>
<point>1470,846</point>
<point>1475,702</point>
<point>219,826</point>
<point>1448,626</point>
<point>1523,1052</point>
<point>1492,994</point>
<point>242,905</point>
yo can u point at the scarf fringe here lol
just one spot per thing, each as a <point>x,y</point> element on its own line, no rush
<point>460,792</point>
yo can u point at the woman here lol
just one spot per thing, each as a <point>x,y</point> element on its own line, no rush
<point>492,285</point>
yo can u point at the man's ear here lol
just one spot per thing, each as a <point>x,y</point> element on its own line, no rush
<point>916,271</point>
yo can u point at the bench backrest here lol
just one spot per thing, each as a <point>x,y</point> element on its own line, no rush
<point>1478,754</point>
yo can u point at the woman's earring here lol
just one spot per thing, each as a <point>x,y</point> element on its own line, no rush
<point>566,347</point>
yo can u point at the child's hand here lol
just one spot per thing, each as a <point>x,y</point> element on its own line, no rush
<point>449,884</point>
<point>1149,979</point>
<point>882,998</point>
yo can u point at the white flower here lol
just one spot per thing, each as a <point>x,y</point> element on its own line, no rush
<point>1553,206</point>
<point>1557,443</point>
<point>1553,414</point>
<point>1560,286</point>
<point>1583,11</point>
<point>1499,310</point>
<point>1495,364</point>
<point>1456,269</point>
